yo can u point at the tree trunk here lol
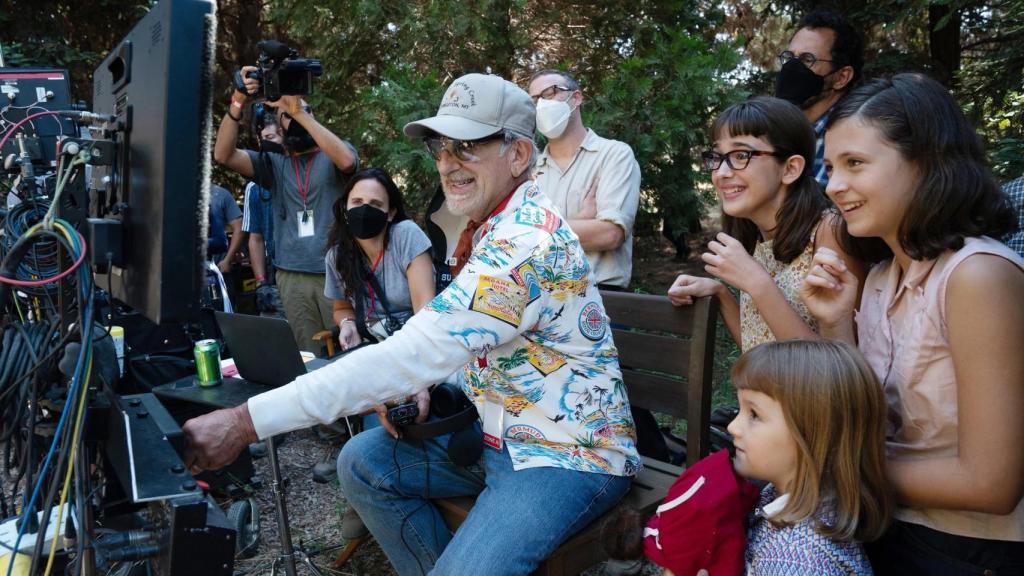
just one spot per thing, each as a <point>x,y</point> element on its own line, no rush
<point>944,43</point>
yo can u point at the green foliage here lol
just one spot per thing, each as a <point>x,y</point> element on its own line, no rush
<point>383,110</point>
<point>990,85</point>
<point>660,102</point>
<point>652,74</point>
<point>64,34</point>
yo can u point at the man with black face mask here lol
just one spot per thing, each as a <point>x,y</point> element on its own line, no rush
<point>303,181</point>
<point>822,63</point>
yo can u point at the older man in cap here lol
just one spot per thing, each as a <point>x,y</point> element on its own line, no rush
<point>528,338</point>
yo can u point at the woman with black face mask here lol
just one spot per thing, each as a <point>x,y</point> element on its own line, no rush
<point>379,270</point>
<point>379,273</point>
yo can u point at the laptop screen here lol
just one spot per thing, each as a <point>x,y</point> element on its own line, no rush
<point>263,348</point>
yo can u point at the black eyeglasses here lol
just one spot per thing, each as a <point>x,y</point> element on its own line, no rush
<point>806,58</point>
<point>550,92</point>
<point>736,159</point>
<point>461,149</point>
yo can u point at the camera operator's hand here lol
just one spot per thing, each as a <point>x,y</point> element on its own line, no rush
<point>252,85</point>
<point>290,105</point>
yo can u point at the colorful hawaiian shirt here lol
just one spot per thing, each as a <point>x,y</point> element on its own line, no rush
<point>532,337</point>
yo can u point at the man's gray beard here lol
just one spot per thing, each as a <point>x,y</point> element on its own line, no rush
<point>461,208</point>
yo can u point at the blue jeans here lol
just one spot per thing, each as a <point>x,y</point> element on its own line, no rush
<point>518,520</point>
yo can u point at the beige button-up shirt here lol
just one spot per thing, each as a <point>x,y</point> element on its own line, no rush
<point>609,168</point>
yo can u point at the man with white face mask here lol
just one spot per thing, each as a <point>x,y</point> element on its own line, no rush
<point>593,181</point>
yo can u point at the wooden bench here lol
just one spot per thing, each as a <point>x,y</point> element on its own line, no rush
<point>667,354</point>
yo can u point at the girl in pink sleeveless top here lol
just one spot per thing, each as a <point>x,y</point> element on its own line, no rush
<point>941,321</point>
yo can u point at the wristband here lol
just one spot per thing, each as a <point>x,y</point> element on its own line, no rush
<point>259,277</point>
<point>343,320</point>
<point>237,120</point>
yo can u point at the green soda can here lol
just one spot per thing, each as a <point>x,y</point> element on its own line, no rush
<point>207,354</point>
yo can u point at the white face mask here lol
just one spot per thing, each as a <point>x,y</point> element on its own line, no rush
<point>553,117</point>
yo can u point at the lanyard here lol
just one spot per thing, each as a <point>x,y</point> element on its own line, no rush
<point>303,189</point>
<point>369,286</point>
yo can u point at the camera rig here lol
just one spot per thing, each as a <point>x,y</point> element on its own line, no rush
<point>281,72</point>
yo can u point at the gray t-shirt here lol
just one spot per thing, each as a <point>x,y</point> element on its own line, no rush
<point>223,209</point>
<point>406,242</point>
<point>295,252</point>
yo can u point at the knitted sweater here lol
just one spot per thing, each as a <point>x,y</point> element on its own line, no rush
<point>799,549</point>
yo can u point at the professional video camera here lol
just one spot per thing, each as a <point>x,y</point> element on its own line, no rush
<point>281,72</point>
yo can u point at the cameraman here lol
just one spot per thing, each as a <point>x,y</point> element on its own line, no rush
<point>304,183</point>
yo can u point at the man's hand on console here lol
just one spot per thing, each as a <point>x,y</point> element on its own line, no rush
<point>214,440</point>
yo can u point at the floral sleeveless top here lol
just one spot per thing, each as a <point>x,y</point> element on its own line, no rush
<point>788,278</point>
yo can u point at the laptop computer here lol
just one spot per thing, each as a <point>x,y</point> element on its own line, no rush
<point>263,348</point>
<point>265,355</point>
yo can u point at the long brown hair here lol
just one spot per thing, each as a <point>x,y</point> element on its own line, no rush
<point>349,259</point>
<point>786,128</point>
<point>835,409</point>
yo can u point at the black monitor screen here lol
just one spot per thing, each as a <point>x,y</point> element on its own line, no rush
<point>157,82</point>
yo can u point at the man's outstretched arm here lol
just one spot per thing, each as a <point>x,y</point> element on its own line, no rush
<point>342,154</point>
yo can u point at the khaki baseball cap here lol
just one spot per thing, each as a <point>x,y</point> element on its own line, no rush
<point>479,105</point>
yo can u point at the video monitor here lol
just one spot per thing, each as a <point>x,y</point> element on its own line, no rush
<point>157,82</point>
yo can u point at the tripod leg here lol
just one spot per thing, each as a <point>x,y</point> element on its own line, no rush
<point>287,552</point>
<point>312,567</point>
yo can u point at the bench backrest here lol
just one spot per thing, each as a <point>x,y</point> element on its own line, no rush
<point>667,355</point>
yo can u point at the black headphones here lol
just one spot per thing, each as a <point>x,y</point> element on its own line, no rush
<point>453,413</point>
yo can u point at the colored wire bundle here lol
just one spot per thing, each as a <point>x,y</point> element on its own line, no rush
<point>39,251</point>
<point>56,469</point>
<point>43,257</point>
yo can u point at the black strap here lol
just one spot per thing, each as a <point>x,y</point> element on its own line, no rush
<point>364,274</point>
<point>434,428</point>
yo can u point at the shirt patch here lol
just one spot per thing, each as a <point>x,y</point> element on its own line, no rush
<point>593,323</point>
<point>544,359</point>
<point>533,215</point>
<point>501,299</point>
<point>526,276</point>
<point>516,404</point>
<point>523,432</point>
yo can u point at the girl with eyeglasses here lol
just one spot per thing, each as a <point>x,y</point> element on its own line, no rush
<point>941,322</point>
<point>774,216</point>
